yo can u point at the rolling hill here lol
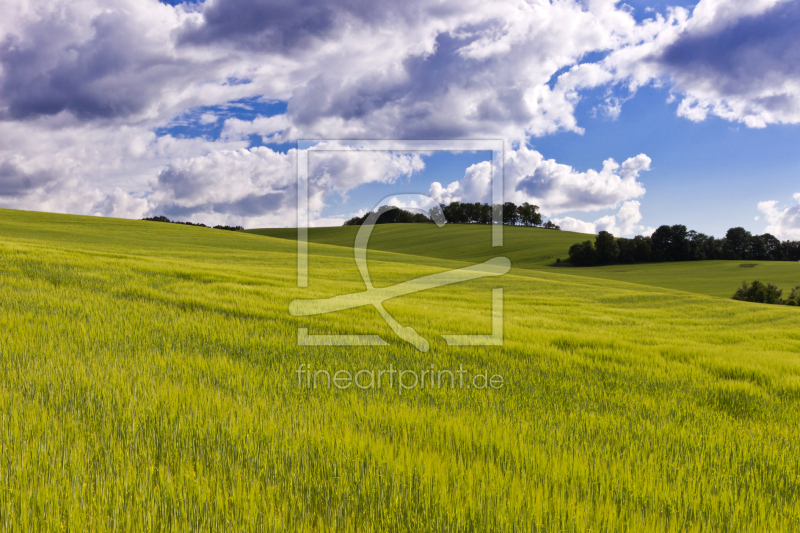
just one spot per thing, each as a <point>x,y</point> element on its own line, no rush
<point>537,249</point>
<point>150,379</point>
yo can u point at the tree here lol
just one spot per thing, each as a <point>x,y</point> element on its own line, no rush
<point>551,225</point>
<point>680,249</point>
<point>757,248</point>
<point>737,243</point>
<point>636,250</point>
<point>583,254</point>
<point>773,246</point>
<point>697,245</point>
<point>642,249</point>
<point>510,215</point>
<point>529,215</point>
<point>390,215</point>
<point>606,248</point>
<point>791,250</point>
<point>758,292</point>
<point>794,297</point>
<point>661,243</point>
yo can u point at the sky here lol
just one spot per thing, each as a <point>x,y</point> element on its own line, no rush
<point>617,116</point>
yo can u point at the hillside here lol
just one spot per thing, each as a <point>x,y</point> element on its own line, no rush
<point>149,381</point>
<point>537,249</point>
<point>525,247</point>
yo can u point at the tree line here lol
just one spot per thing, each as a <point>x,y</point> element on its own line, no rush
<point>465,213</point>
<point>162,218</point>
<point>676,243</point>
<point>766,293</point>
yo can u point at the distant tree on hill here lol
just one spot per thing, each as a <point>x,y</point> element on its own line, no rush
<point>794,298</point>
<point>230,228</point>
<point>551,225</point>
<point>773,247</point>
<point>583,254</point>
<point>636,250</point>
<point>758,292</point>
<point>737,243</point>
<point>469,213</point>
<point>529,215</point>
<point>676,243</point>
<point>606,248</point>
<point>670,243</point>
<point>510,214</point>
<point>390,215</point>
<point>162,218</point>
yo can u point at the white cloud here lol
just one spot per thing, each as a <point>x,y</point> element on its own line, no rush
<point>120,204</point>
<point>209,118</point>
<point>573,224</point>
<point>444,195</point>
<point>624,224</point>
<point>258,185</point>
<point>85,83</point>
<point>738,60</point>
<point>783,223</point>
<point>554,187</point>
<point>340,171</point>
<point>557,188</point>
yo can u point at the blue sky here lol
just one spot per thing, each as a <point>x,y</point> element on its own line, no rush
<point>704,175</point>
<point>132,108</point>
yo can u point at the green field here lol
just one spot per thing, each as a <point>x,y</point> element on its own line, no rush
<point>148,383</point>
<point>525,247</point>
<point>715,278</point>
<point>537,249</point>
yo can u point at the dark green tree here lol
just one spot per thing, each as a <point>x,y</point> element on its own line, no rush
<point>773,246</point>
<point>758,292</point>
<point>737,243</point>
<point>529,215</point>
<point>510,215</point>
<point>583,254</point>
<point>606,248</point>
<point>757,248</point>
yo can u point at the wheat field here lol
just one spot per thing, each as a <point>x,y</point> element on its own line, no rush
<point>148,382</point>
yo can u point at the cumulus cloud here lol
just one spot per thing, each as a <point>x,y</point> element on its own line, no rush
<point>557,188</point>
<point>784,223</point>
<point>258,185</point>
<point>554,187</point>
<point>624,224</point>
<point>738,60</point>
<point>15,181</point>
<point>84,84</point>
<point>445,195</point>
<point>340,171</point>
<point>120,204</point>
<point>249,182</point>
<point>87,60</point>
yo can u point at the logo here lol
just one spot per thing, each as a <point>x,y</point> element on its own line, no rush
<point>376,296</point>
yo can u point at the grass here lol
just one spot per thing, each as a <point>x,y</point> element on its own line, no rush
<point>147,383</point>
<point>715,278</point>
<point>525,247</point>
<point>537,249</point>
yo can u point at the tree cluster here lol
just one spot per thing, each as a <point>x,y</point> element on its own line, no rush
<point>389,215</point>
<point>162,218</point>
<point>765,293</point>
<point>465,213</point>
<point>478,213</point>
<point>676,243</point>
